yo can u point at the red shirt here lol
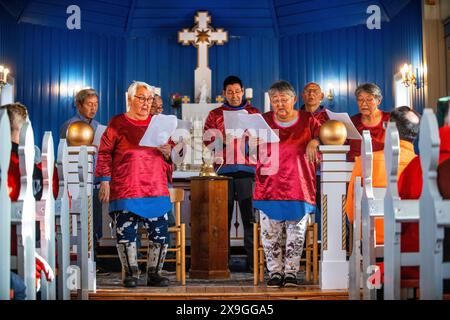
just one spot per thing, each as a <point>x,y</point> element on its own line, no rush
<point>134,171</point>
<point>295,178</point>
<point>376,132</point>
<point>215,121</point>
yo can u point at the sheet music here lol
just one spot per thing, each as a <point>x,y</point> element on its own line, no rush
<point>98,135</point>
<point>231,120</point>
<point>352,132</point>
<point>184,124</point>
<point>258,127</point>
<point>237,122</point>
<point>160,129</point>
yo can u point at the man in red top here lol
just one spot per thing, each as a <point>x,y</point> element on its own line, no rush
<point>242,173</point>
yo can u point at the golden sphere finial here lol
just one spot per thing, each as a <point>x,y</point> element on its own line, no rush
<point>79,133</point>
<point>333,132</point>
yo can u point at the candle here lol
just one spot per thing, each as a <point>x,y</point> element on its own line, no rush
<point>249,93</point>
<point>1,73</point>
<point>5,72</point>
<point>404,70</point>
<point>266,102</point>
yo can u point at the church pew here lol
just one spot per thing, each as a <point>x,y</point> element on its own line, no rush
<point>5,205</point>
<point>434,213</point>
<point>396,211</point>
<point>23,214</point>
<point>354,276</point>
<point>45,215</point>
<point>371,208</point>
<point>62,224</point>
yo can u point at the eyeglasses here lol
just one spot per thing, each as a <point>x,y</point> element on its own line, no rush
<point>313,91</point>
<point>278,101</point>
<point>367,101</point>
<point>230,93</point>
<point>142,100</point>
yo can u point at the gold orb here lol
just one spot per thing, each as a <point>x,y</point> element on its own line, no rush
<point>333,132</point>
<point>79,133</point>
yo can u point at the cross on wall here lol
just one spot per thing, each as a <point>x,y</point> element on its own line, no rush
<point>202,36</point>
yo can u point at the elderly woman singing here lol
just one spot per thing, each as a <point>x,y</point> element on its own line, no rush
<point>368,97</point>
<point>134,181</point>
<point>285,196</point>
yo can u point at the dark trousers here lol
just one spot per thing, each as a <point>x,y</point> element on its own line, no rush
<point>240,188</point>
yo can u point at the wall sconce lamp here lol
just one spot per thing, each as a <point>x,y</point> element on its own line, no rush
<point>412,77</point>
<point>3,76</point>
<point>330,92</point>
<point>408,76</point>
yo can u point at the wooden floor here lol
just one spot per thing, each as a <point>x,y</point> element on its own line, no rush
<point>239,286</point>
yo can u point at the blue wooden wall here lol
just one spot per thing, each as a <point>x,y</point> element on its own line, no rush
<point>351,56</point>
<point>49,63</point>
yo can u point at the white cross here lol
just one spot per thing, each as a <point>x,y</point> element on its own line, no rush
<point>202,36</point>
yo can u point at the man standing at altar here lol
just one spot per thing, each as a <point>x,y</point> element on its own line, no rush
<point>236,166</point>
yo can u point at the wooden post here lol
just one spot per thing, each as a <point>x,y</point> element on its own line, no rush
<point>372,207</point>
<point>209,228</point>
<point>62,223</point>
<point>354,279</point>
<point>5,205</point>
<point>80,184</point>
<point>336,173</point>
<point>45,214</point>
<point>23,213</point>
<point>434,213</point>
<point>396,211</point>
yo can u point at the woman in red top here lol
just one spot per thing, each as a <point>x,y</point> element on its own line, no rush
<point>134,182</point>
<point>368,97</point>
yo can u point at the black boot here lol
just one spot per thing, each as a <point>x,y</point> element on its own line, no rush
<point>155,261</point>
<point>128,259</point>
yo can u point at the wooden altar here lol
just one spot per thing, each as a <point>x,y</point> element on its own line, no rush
<point>209,228</point>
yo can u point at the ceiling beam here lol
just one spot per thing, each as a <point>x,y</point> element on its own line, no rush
<point>274,16</point>
<point>130,16</point>
<point>386,12</point>
<point>25,6</point>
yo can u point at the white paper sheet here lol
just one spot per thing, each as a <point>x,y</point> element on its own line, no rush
<point>258,127</point>
<point>184,124</point>
<point>160,129</point>
<point>98,134</point>
<point>236,122</point>
<point>352,132</point>
<point>231,120</point>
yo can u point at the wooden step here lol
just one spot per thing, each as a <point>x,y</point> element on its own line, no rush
<point>218,293</point>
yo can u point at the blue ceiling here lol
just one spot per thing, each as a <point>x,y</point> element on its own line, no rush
<point>240,17</point>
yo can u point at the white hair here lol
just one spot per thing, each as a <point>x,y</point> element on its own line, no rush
<point>136,84</point>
